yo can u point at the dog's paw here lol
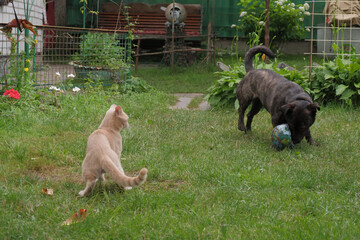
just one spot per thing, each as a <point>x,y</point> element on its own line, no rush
<point>315,143</point>
<point>312,142</point>
<point>82,193</point>
<point>242,128</point>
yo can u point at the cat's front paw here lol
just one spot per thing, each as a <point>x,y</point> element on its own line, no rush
<point>128,188</point>
<point>82,193</point>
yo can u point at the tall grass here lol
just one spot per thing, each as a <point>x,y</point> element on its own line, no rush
<point>206,179</point>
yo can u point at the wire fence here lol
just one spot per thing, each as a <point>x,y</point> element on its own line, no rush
<point>61,54</point>
<point>338,28</point>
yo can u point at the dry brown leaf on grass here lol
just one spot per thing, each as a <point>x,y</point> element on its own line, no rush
<point>76,217</point>
<point>48,191</point>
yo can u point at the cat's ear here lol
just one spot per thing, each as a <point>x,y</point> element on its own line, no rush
<point>118,110</point>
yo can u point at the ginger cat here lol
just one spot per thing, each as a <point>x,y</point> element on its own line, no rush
<point>103,153</point>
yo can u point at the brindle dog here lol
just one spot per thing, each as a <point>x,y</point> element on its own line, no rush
<point>286,101</point>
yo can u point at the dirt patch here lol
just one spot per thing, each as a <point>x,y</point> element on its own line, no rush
<point>57,174</point>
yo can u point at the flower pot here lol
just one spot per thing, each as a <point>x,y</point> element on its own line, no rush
<point>100,73</point>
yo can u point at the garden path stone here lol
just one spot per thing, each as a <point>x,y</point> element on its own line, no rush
<point>184,99</point>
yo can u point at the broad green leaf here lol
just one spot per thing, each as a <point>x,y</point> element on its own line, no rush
<point>340,89</point>
<point>328,74</point>
<point>335,47</point>
<point>236,104</point>
<point>347,94</point>
<point>343,76</point>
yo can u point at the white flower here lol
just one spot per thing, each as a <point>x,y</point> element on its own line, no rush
<point>54,88</point>
<point>58,74</point>
<point>243,14</point>
<point>302,9</point>
<point>261,23</point>
<point>307,13</point>
<point>306,6</point>
<point>76,89</point>
<point>307,29</point>
<point>301,19</point>
<point>233,26</point>
<point>70,75</point>
<point>292,5</point>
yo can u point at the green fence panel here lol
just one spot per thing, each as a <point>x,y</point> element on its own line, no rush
<point>222,14</point>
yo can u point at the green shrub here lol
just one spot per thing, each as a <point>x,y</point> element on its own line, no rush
<point>223,91</point>
<point>286,18</point>
<point>134,84</point>
<point>101,50</point>
<point>337,80</point>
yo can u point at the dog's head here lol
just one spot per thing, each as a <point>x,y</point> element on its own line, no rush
<point>299,115</point>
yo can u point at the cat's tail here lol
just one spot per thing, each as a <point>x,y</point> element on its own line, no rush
<point>120,178</point>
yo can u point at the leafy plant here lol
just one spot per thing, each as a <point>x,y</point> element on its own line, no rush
<point>223,91</point>
<point>102,51</point>
<point>20,73</point>
<point>286,18</point>
<point>134,84</point>
<point>337,80</point>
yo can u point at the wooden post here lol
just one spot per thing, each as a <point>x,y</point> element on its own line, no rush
<point>213,45</point>
<point>267,27</point>
<point>137,54</point>
<point>172,37</point>
<point>209,46</point>
<point>267,23</point>
<point>311,39</point>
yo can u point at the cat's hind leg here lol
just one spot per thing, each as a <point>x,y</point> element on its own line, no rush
<point>123,172</point>
<point>102,177</point>
<point>90,183</point>
<point>114,157</point>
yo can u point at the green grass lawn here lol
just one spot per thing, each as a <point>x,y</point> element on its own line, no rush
<point>206,179</point>
<point>193,79</point>
<point>199,77</point>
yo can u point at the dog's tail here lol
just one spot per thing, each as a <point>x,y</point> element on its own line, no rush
<point>252,52</point>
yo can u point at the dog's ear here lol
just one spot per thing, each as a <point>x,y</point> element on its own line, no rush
<point>313,107</point>
<point>287,109</point>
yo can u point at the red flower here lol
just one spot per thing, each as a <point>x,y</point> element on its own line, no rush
<point>12,93</point>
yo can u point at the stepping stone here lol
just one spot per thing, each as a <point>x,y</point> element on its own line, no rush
<point>184,99</point>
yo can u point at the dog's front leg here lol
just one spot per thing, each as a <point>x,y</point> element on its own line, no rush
<point>241,125</point>
<point>309,139</point>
